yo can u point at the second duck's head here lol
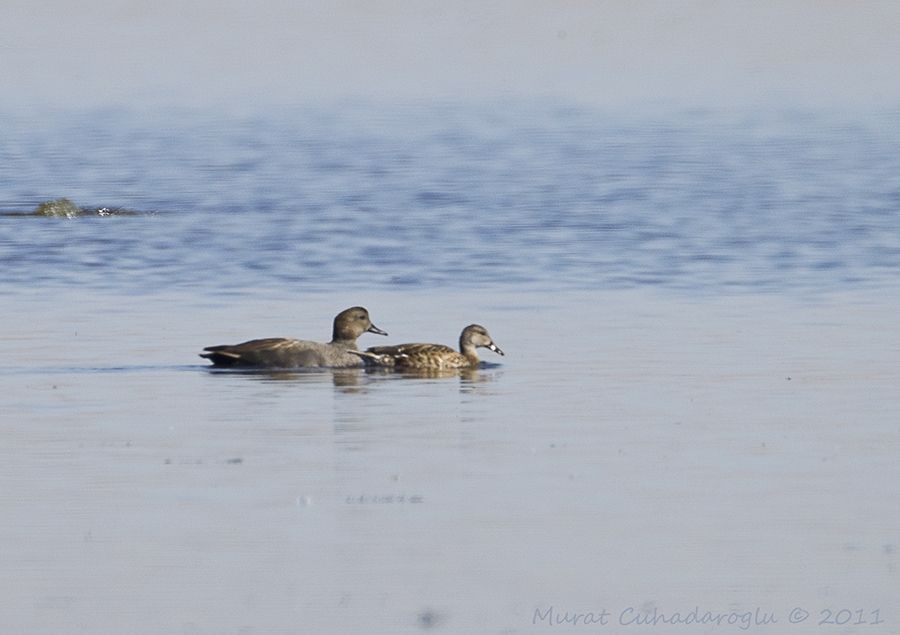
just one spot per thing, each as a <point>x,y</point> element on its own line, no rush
<point>474,336</point>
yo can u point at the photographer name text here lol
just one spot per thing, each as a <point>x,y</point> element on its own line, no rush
<point>740,620</point>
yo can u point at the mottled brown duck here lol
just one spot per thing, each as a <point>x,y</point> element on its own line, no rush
<point>432,356</point>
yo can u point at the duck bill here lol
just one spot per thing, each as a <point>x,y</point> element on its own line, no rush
<point>496,349</point>
<point>376,330</point>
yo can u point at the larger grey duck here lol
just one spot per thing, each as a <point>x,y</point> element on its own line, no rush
<point>281,352</point>
<point>432,356</point>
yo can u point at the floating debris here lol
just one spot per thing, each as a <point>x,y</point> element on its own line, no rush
<point>60,208</point>
<point>428,619</point>
<point>65,208</point>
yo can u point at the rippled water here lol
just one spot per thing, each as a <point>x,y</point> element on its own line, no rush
<point>430,198</point>
<point>696,410</point>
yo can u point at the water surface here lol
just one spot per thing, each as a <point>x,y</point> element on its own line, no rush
<point>696,408</point>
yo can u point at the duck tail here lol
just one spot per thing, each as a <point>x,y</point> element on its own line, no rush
<point>373,359</point>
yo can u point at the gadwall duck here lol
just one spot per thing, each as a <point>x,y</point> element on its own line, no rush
<point>281,352</point>
<point>432,356</point>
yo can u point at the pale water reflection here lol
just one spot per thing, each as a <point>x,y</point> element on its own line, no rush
<point>727,454</point>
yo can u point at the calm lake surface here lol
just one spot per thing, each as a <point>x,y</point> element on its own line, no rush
<point>697,412</point>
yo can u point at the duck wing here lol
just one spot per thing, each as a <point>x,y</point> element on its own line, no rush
<point>411,349</point>
<point>271,352</point>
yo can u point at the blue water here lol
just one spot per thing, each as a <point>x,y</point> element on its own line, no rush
<point>531,197</point>
<point>696,409</point>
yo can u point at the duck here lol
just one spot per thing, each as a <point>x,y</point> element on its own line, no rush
<point>283,352</point>
<point>432,356</point>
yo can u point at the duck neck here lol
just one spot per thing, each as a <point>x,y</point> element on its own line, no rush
<point>343,342</point>
<point>341,337</point>
<point>468,351</point>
